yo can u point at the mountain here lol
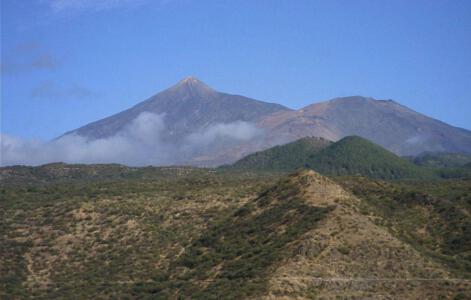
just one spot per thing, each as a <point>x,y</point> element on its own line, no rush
<point>186,107</point>
<point>193,124</point>
<point>350,156</point>
<point>284,157</point>
<point>384,122</point>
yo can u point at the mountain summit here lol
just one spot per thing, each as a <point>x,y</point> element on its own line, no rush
<point>193,86</point>
<point>186,107</point>
<point>195,124</point>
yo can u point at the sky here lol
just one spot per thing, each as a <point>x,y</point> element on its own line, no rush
<point>65,63</point>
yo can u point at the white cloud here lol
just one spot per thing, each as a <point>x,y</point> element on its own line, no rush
<point>51,90</point>
<point>239,131</point>
<point>140,143</point>
<point>28,57</point>
<point>137,144</point>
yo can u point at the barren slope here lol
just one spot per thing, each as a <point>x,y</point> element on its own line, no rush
<point>348,255</point>
<point>385,122</point>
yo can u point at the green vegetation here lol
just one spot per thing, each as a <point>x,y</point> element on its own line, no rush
<point>357,156</point>
<point>349,156</point>
<point>109,231</point>
<point>441,160</point>
<point>447,173</point>
<point>105,238</point>
<point>287,157</point>
<point>236,255</point>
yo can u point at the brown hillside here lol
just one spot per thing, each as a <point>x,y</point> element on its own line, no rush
<point>347,255</point>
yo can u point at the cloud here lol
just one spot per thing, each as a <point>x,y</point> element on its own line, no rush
<point>28,47</point>
<point>44,61</point>
<point>50,90</point>
<point>73,6</point>
<point>140,143</point>
<point>417,139</point>
<point>238,131</point>
<point>28,57</point>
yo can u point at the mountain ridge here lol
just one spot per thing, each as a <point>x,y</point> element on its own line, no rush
<point>191,107</point>
<point>386,122</point>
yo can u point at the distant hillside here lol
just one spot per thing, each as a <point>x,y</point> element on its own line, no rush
<point>442,160</point>
<point>285,157</point>
<point>64,173</point>
<point>349,156</point>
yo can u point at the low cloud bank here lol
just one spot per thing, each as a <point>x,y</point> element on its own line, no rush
<point>237,131</point>
<point>140,143</point>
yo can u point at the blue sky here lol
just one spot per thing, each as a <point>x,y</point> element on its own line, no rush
<point>69,62</point>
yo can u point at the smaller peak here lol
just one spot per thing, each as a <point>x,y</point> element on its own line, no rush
<point>352,99</point>
<point>306,176</point>
<point>354,139</point>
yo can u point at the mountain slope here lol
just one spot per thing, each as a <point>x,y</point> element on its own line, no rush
<point>433,217</point>
<point>385,122</point>
<point>186,107</point>
<point>348,255</point>
<point>304,238</point>
<point>285,157</point>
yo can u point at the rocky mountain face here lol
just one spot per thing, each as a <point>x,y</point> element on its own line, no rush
<point>201,126</point>
<point>385,122</point>
<point>186,107</point>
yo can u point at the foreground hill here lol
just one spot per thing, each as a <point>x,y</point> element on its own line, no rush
<point>207,234</point>
<point>349,156</point>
